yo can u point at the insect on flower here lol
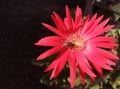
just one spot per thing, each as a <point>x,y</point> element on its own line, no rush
<point>80,44</point>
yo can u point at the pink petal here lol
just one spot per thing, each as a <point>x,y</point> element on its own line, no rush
<point>69,18</point>
<point>90,29</point>
<point>102,39</point>
<point>85,60</point>
<point>99,70</point>
<point>54,63</point>
<point>87,19</point>
<point>106,54</point>
<point>59,22</point>
<point>82,75</point>
<point>103,59</point>
<point>95,60</point>
<point>49,52</point>
<point>78,18</point>
<point>68,27</point>
<point>66,23</point>
<point>52,29</point>
<point>88,25</point>
<point>59,66</point>
<point>110,62</point>
<point>80,59</point>
<point>50,41</point>
<point>100,29</point>
<point>72,63</point>
<point>105,45</point>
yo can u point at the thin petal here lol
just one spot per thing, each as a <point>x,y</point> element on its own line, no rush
<point>106,54</point>
<point>99,70</point>
<point>49,52</point>
<point>92,27</point>
<point>100,29</point>
<point>103,59</point>
<point>105,45</point>
<point>59,66</point>
<point>96,60</point>
<point>82,75</point>
<point>80,59</point>
<point>87,19</point>
<point>88,25</point>
<point>59,22</point>
<point>50,41</point>
<point>66,23</point>
<point>55,62</point>
<point>69,18</point>
<point>78,18</point>
<point>68,27</point>
<point>52,29</point>
<point>72,63</point>
<point>102,39</point>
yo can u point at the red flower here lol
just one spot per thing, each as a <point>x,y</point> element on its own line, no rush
<point>80,43</point>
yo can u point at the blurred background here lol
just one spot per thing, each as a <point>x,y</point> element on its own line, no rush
<point>20,28</point>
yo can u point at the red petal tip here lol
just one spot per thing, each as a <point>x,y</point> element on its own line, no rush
<point>38,59</point>
<point>35,43</point>
<point>51,77</point>
<point>66,6</point>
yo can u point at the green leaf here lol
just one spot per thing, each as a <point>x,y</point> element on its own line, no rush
<point>95,87</point>
<point>116,10</point>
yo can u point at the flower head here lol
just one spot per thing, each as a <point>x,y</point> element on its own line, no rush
<point>80,44</point>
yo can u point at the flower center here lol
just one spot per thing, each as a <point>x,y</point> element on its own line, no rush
<point>75,42</point>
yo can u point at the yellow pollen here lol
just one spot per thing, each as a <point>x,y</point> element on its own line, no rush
<point>75,42</point>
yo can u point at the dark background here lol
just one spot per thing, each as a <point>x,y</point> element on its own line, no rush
<point>20,28</point>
